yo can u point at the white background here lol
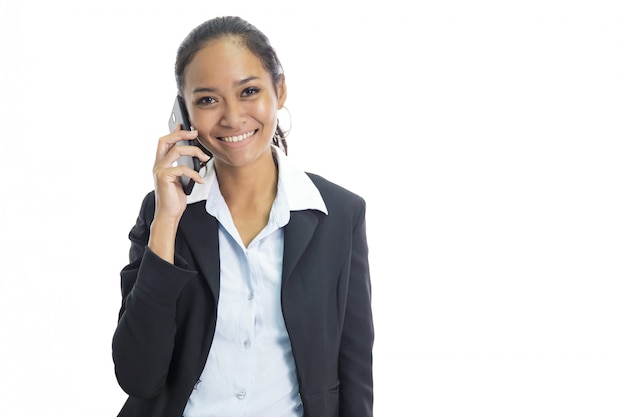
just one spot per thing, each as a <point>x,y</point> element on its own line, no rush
<point>486,136</point>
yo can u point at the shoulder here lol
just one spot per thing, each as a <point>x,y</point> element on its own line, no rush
<point>146,214</point>
<point>148,204</point>
<point>336,196</point>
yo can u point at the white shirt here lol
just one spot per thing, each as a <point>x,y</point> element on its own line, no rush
<point>250,370</point>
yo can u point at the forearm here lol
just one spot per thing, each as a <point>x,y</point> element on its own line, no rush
<point>163,238</point>
<point>144,339</point>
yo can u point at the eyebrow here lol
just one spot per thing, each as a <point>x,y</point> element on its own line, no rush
<point>213,90</point>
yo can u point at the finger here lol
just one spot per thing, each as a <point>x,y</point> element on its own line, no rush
<point>168,141</point>
<point>176,152</point>
<point>193,174</point>
<point>172,175</point>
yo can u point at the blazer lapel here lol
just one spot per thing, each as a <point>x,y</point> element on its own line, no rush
<point>298,234</point>
<point>201,232</point>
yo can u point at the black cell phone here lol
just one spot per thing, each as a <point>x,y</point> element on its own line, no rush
<point>179,116</point>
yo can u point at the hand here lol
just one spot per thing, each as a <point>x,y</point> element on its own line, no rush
<point>171,201</point>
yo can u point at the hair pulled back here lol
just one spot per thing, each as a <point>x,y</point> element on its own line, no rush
<point>240,30</point>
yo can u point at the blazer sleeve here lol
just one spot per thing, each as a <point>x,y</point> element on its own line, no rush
<point>143,341</point>
<point>355,355</point>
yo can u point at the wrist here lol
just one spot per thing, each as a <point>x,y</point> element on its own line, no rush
<point>163,237</point>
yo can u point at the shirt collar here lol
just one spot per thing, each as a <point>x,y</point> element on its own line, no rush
<point>300,192</point>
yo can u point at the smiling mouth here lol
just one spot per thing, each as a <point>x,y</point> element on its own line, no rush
<point>238,138</point>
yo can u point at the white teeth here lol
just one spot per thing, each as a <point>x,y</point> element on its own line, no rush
<point>237,138</point>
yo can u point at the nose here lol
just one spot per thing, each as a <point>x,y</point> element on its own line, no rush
<point>233,115</point>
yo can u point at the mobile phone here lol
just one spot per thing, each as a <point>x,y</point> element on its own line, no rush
<point>179,116</point>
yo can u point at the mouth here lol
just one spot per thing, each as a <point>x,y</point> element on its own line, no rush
<point>238,138</point>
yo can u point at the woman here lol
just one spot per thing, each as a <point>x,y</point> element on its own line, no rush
<point>250,296</point>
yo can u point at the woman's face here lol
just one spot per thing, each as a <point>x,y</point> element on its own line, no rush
<point>232,102</point>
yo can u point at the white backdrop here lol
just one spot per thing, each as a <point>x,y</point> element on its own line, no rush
<point>486,136</point>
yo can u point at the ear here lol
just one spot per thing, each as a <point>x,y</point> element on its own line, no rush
<point>281,91</point>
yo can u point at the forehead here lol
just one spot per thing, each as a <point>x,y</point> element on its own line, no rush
<point>222,62</point>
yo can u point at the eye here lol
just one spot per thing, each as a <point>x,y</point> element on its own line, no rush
<point>250,91</point>
<point>204,101</point>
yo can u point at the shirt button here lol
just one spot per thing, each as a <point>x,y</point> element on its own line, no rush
<point>246,344</point>
<point>241,395</point>
<point>250,296</point>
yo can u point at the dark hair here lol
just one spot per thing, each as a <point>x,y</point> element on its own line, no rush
<point>242,31</point>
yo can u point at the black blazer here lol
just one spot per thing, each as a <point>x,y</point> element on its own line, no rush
<point>168,314</point>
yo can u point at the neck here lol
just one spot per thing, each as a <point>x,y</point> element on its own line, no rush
<point>250,184</point>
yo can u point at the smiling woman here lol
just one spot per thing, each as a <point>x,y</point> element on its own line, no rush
<point>233,103</point>
<point>251,295</point>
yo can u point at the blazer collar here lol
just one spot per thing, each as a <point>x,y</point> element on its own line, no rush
<point>298,233</point>
<point>300,191</point>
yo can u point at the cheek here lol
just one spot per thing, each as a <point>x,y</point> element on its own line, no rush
<point>266,111</point>
<point>196,119</point>
<point>203,141</point>
<point>203,125</point>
